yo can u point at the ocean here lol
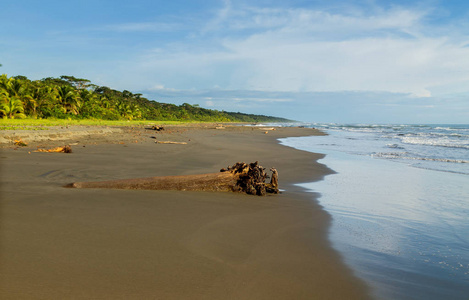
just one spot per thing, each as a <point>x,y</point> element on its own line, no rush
<point>399,203</point>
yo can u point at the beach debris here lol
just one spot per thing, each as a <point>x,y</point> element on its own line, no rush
<point>20,143</point>
<point>169,142</point>
<point>273,187</point>
<point>64,149</point>
<point>252,179</point>
<point>157,128</point>
<point>240,177</point>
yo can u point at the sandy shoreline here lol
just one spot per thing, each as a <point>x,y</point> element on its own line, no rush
<point>59,243</point>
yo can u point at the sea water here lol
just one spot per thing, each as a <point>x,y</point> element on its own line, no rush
<point>399,204</point>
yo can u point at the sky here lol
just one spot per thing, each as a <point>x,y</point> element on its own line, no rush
<point>354,61</point>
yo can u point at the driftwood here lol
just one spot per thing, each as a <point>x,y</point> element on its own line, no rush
<point>274,178</point>
<point>251,179</point>
<point>169,142</point>
<point>155,127</point>
<point>20,143</point>
<point>64,149</point>
<point>241,177</point>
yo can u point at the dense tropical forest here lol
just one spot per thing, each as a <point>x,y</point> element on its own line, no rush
<point>68,97</point>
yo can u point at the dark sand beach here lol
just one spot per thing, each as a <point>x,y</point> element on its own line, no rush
<point>62,243</point>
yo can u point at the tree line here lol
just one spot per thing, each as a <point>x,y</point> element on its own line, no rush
<point>77,98</point>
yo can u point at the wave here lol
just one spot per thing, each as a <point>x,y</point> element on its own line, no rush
<point>401,155</point>
<point>424,130</point>
<point>460,128</point>
<point>394,146</point>
<point>437,147</point>
<point>437,142</point>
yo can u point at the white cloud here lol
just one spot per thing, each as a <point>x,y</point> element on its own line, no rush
<point>242,56</point>
<point>157,87</point>
<point>293,53</point>
<point>319,22</point>
<point>387,64</point>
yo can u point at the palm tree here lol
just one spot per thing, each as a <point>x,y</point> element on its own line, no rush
<point>44,97</point>
<point>69,100</point>
<point>125,110</point>
<point>5,83</point>
<point>15,87</point>
<point>89,103</point>
<point>30,106</point>
<point>105,102</point>
<point>18,88</point>
<point>87,96</point>
<point>135,111</point>
<point>11,107</point>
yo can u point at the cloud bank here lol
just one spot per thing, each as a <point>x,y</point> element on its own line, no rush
<point>299,50</point>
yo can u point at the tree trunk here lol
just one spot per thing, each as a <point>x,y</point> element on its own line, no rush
<point>240,177</point>
<point>201,182</point>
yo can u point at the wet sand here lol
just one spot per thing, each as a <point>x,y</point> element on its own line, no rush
<point>59,243</point>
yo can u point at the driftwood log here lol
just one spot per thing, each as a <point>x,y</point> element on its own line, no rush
<point>241,177</point>
<point>64,149</point>
<point>169,142</point>
<point>155,127</point>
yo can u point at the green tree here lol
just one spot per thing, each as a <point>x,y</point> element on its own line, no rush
<point>3,82</point>
<point>14,89</point>
<point>59,97</point>
<point>68,99</point>
<point>125,110</point>
<point>135,110</point>
<point>30,105</point>
<point>78,83</point>
<point>11,107</point>
<point>45,97</point>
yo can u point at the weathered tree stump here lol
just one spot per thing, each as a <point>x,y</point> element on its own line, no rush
<point>241,177</point>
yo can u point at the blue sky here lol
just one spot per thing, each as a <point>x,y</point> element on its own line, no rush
<point>319,61</point>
